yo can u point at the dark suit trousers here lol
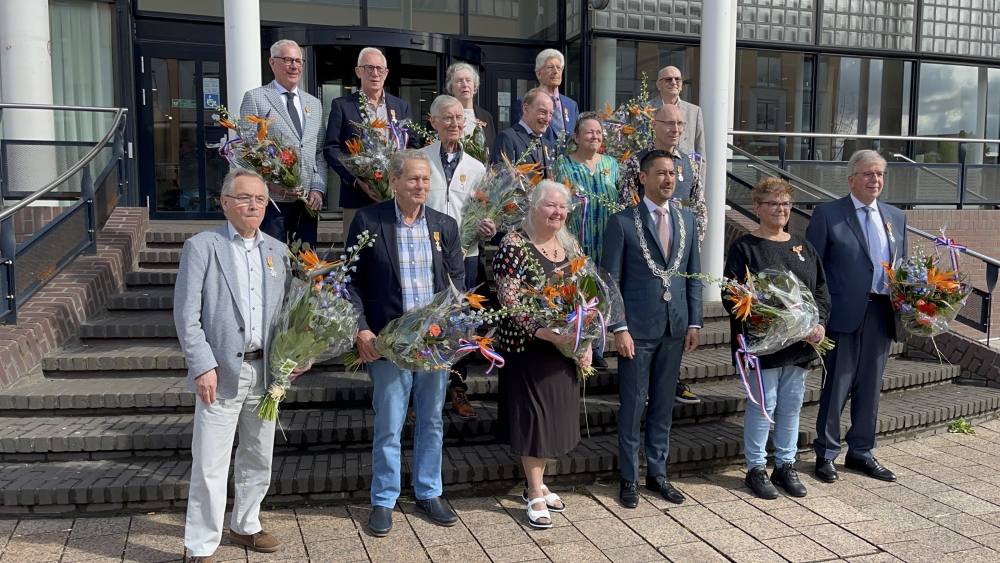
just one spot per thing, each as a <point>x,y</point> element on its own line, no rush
<point>854,368</point>
<point>290,221</point>
<point>653,371</point>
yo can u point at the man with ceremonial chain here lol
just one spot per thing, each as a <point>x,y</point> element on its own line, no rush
<point>649,248</point>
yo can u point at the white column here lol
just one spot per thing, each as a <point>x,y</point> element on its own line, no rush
<point>717,55</point>
<point>26,68</point>
<point>242,50</point>
<point>605,72</point>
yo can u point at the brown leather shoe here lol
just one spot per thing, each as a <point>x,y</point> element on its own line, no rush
<point>461,403</point>
<point>261,541</point>
<point>199,559</point>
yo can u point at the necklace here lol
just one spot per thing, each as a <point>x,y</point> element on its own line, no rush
<point>552,257</point>
<point>664,275</point>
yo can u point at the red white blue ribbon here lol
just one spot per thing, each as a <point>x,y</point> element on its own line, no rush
<point>744,362</point>
<point>496,360</point>
<point>953,247</point>
<point>579,316</point>
<point>400,135</point>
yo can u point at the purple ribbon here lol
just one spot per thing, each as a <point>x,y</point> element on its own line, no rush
<point>745,360</point>
<point>578,318</point>
<point>953,247</point>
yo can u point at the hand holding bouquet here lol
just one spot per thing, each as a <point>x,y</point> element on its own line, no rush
<point>317,317</point>
<point>369,154</point>
<point>499,196</point>
<point>927,298</point>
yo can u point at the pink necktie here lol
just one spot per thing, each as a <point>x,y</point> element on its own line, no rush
<point>663,230</point>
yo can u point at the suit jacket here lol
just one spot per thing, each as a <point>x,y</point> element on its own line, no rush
<point>693,139</point>
<point>209,313</point>
<point>266,99</point>
<point>375,288</point>
<point>646,313</point>
<point>839,238</point>
<point>454,199</point>
<point>345,113</point>
<point>513,141</point>
<point>568,118</point>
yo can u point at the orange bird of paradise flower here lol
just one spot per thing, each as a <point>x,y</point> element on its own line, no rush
<point>550,293</point>
<point>263,122</point>
<point>475,301</point>
<point>353,146</point>
<point>576,264</point>
<point>379,124</point>
<point>742,304</point>
<point>607,109</point>
<point>633,110</point>
<point>226,123</point>
<point>628,130</point>
<point>889,271</point>
<point>943,281</point>
<point>312,261</point>
<point>627,154</point>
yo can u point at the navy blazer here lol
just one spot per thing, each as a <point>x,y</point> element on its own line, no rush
<point>568,119</point>
<point>838,237</point>
<point>646,313</point>
<point>345,112</point>
<point>375,288</point>
<point>513,141</point>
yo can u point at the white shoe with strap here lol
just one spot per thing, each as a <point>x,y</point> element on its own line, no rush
<point>535,515</point>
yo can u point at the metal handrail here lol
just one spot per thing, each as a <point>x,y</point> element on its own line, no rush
<point>119,115</point>
<point>936,175</point>
<point>863,137</point>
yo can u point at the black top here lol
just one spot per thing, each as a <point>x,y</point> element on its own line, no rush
<point>759,254</point>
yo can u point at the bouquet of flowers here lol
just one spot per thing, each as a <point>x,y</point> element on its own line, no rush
<point>436,335</point>
<point>629,128</point>
<point>317,317</point>
<point>268,155</point>
<point>582,303</point>
<point>369,154</point>
<point>927,298</point>
<point>499,196</point>
<point>474,144</point>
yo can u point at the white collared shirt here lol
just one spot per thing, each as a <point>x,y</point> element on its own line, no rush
<point>880,254</point>
<point>297,101</point>
<point>526,128</point>
<point>249,267</point>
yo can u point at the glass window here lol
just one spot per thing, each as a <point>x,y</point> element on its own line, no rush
<point>863,97</point>
<point>192,7</point>
<point>518,19</point>
<point>343,12</point>
<point>773,93</point>
<point>955,101</point>
<point>633,58</point>
<point>435,16</point>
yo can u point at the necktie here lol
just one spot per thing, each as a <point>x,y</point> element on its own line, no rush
<point>875,250</point>
<point>293,113</point>
<point>557,118</point>
<point>663,230</point>
<point>539,152</point>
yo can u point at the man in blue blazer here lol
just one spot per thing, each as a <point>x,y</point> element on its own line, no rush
<point>647,248</point>
<point>549,67</point>
<point>345,114</point>
<point>853,236</point>
<point>417,253</point>
<point>513,142</point>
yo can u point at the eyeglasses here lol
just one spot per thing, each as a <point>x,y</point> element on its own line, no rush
<point>775,205</point>
<point>869,175</point>
<point>451,119</point>
<point>289,61</point>
<point>244,200</point>
<point>676,79</point>
<point>374,69</point>
<point>671,124</point>
<point>552,68</point>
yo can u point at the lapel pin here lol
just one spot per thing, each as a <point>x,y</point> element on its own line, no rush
<point>393,113</point>
<point>798,250</point>
<point>437,240</point>
<point>307,111</point>
<point>270,264</point>
<point>888,230</point>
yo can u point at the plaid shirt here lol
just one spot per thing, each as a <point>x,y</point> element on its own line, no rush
<point>416,261</point>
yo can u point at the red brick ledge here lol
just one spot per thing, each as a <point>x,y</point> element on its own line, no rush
<point>54,314</point>
<point>980,364</point>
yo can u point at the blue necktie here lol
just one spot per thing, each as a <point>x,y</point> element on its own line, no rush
<point>875,250</point>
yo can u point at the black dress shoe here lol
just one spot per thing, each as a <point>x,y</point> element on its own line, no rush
<point>760,484</point>
<point>825,470</point>
<point>438,511</point>
<point>662,485</point>
<point>380,522</point>
<point>870,467</point>
<point>599,363</point>
<point>786,477</point>
<point>629,494</point>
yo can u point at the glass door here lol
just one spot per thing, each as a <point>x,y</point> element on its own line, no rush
<point>180,169</point>
<point>501,92</point>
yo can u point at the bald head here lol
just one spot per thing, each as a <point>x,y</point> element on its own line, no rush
<point>669,83</point>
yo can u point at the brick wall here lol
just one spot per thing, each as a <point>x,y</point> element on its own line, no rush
<point>54,314</point>
<point>28,220</point>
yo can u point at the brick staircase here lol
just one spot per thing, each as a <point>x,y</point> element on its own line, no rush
<point>109,424</point>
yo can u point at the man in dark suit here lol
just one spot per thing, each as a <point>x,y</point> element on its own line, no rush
<point>416,254</point>
<point>549,67</point>
<point>853,236</point>
<point>513,142</point>
<point>647,247</point>
<point>345,113</point>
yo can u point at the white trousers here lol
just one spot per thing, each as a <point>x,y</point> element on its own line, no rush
<point>211,447</point>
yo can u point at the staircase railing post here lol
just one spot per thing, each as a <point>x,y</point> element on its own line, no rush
<point>8,279</point>
<point>782,148</point>
<point>963,151</point>
<point>87,194</point>
<point>992,271</point>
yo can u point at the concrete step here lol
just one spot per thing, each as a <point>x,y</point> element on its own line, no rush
<point>138,300</point>
<point>164,234</point>
<point>137,279</point>
<point>130,324</point>
<point>325,473</point>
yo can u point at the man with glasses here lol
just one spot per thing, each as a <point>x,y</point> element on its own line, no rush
<point>533,124</point>
<point>298,122</point>
<point>854,236</point>
<point>669,83</point>
<point>345,114</point>
<point>549,67</point>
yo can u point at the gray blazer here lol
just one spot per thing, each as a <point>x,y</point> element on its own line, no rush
<point>208,312</point>
<point>312,166</point>
<point>693,139</point>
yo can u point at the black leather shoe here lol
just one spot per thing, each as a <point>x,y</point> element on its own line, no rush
<point>599,363</point>
<point>760,484</point>
<point>662,485</point>
<point>786,477</point>
<point>870,467</point>
<point>825,470</point>
<point>380,522</point>
<point>629,494</point>
<point>438,510</point>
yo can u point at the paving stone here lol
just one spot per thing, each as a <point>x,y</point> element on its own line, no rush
<point>837,540</point>
<point>608,533</point>
<point>765,527</point>
<point>798,516</point>
<point>834,510</point>
<point>608,497</point>
<point>942,539</point>
<point>914,552</point>
<point>497,535</point>
<point>105,547</point>
<point>697,552</point>
<point>735,510</point>
<point>698,519</point>
<point>470,552</point>
<point>86,527</point>
<point>798,549</point>
<point>764,555</point>
<point>515,553</point>
<point>965,502</point>
<point>661,530</point>
<point>581,551</point>
<point>556,535</point>
<point>896,517</point>
<point>730,540</point>
<point>642,553</point>
<point>35,548</point>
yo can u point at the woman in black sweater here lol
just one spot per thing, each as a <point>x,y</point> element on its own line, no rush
<point>784,372</point>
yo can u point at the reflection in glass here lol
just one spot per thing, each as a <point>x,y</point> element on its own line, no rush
<point>517,19</point>
<point>633,58</point>
<point>435,16</point>
<point>191,7</point>
<point>953,102</point>
<point>773,93</point>
<point>175,134</point>
<point>344,12</point>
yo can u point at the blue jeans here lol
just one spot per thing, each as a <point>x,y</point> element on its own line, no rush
<point>784,388</point>
<point>389,399</point>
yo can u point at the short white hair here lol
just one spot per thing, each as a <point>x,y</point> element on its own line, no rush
<point>546,55</point>
<point>441,102</point>
<point>453,70</point>
<point>864,156</point>
<point>280,44</point>
<point>368,50</point>
<point>397,162</point>
<point>229,182</point>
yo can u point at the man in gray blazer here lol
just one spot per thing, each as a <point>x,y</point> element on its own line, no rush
<point>853,236</point>
<point>646,249</point>
<point>230,286</point>
<point>299,122</point>
<point>669,83</point>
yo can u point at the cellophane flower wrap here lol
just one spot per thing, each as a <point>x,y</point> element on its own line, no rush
<point>254,148</point>
<point>927,294</point>
<point>628,129</point>
<point>368,155</point>
<point>581,302</point>
<point>317,317</point>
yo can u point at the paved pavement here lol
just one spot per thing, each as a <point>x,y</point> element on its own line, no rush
<point>946,506</point>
